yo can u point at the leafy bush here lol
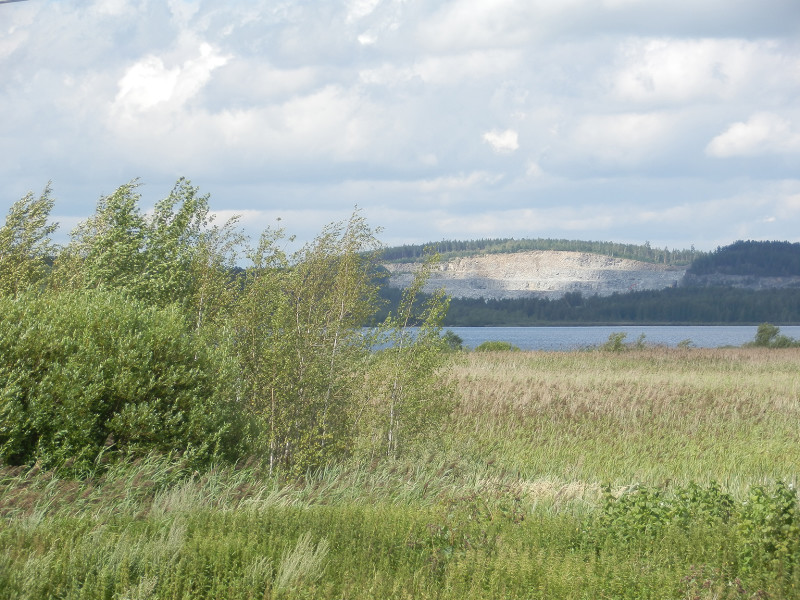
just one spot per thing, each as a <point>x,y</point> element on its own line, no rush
<point>453,341</point>
<point>146,329</point>
<point>769,529</point>
<point>94,373</point>
<point>496,346</point>
<point>644,512</point>
<point>616,342</point>
<point>768,336</point>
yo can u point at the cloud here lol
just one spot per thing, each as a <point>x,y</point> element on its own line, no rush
<point>623,139</point>
<point>763,133</point>
<point>583,112</point>
<point>502,142</point>
<point>148,82</point>
<point>674,70</point>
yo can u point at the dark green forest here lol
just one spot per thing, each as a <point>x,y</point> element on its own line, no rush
<point>711,305</point>
<point>757,259</point>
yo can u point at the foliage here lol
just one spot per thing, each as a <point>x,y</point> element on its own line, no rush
<point>751,258</point>
<point>406,396</point>
<point>701,305</point>
<point>25,243</point>
<point>503,503</point>
<point>616,342</point>
<point>645,512</point>
<point>768,336</point>
<point>769,529</point>
<point>451,249</point>
<point>453,341</point>
<point>95,374</point>
<point>176,255</point>
<point>290,327</point>
<point>299,341</point>
<point>496,346</point>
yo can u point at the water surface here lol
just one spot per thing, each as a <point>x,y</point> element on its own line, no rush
<point>574,338</point>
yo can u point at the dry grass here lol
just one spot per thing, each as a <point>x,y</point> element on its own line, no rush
<point>657,414</point>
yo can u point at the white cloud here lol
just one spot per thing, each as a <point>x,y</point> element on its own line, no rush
<point>674,70</point>
<point>460,182</point>
<point>763,133</point>
<point>502,142</point>
<point>358,9</point>
<point>149,82</point>
<point>622,139</point>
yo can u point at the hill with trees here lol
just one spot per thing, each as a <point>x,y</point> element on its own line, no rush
<point>750,258</point>
<point>448,249</point>
<point>746,282</point>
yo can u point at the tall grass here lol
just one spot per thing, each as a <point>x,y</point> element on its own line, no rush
<point>507,501</point>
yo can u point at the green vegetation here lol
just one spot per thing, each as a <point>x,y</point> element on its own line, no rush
<point>147,336</point>
<point>175,426</point>
<point>681,305</point>
<point>769,336</point>
<point>451,249</point>
<point>750,258</point>
<point>654,473</point>
<point>616,342</point>
<point>496,346</point>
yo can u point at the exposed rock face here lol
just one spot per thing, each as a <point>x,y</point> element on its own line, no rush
<point>544,274</point>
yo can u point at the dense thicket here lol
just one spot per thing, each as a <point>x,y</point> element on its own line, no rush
<point>451,248</point>
<point>147,335</point>
<point>88,373</point>
<point>751,258</point>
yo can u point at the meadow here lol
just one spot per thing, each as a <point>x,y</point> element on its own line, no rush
<point>647,473</point>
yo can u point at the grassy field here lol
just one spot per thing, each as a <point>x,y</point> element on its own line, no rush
<point>655,473</point>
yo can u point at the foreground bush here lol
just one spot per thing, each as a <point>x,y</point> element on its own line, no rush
<point>93,373</point>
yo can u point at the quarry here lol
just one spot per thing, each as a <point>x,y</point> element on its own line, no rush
<point>542,274</point>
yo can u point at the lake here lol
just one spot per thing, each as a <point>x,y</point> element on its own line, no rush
<point>574,338</point>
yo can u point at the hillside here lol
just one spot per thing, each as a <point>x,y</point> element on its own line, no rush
<point>500,271</point>
<point>539,274</point>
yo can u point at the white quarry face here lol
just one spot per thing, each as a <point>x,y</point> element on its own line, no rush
<point>544,274</point>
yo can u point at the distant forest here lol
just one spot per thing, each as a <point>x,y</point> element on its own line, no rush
<point>708,305</point>
<point>448,249</point>
<point>686,304</point>
<point>757,259</point>
<point>683,305</point>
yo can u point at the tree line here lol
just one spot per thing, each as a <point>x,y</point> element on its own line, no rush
<point>146,334</point>
<point>682,305</point>
<point>752,258</point>
<point>448,249</point>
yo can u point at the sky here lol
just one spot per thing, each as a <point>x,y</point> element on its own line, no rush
<point>675,122</point>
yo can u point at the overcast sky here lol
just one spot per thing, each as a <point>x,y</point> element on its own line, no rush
<point>670,121</point>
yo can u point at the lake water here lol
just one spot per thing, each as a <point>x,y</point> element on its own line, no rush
<point>573,338</point>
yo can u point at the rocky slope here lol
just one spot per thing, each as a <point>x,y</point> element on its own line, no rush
<point>546,274</point>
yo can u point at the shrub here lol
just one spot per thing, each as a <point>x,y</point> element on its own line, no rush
<point>94,373</point>
<point>616,342</point>
<point>768,336</point>
<point>453,341</point>
<point>496,346</point>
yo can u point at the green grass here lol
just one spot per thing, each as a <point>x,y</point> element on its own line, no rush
<point>506,502</point>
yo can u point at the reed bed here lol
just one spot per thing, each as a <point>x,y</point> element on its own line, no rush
<point>559,475</point>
